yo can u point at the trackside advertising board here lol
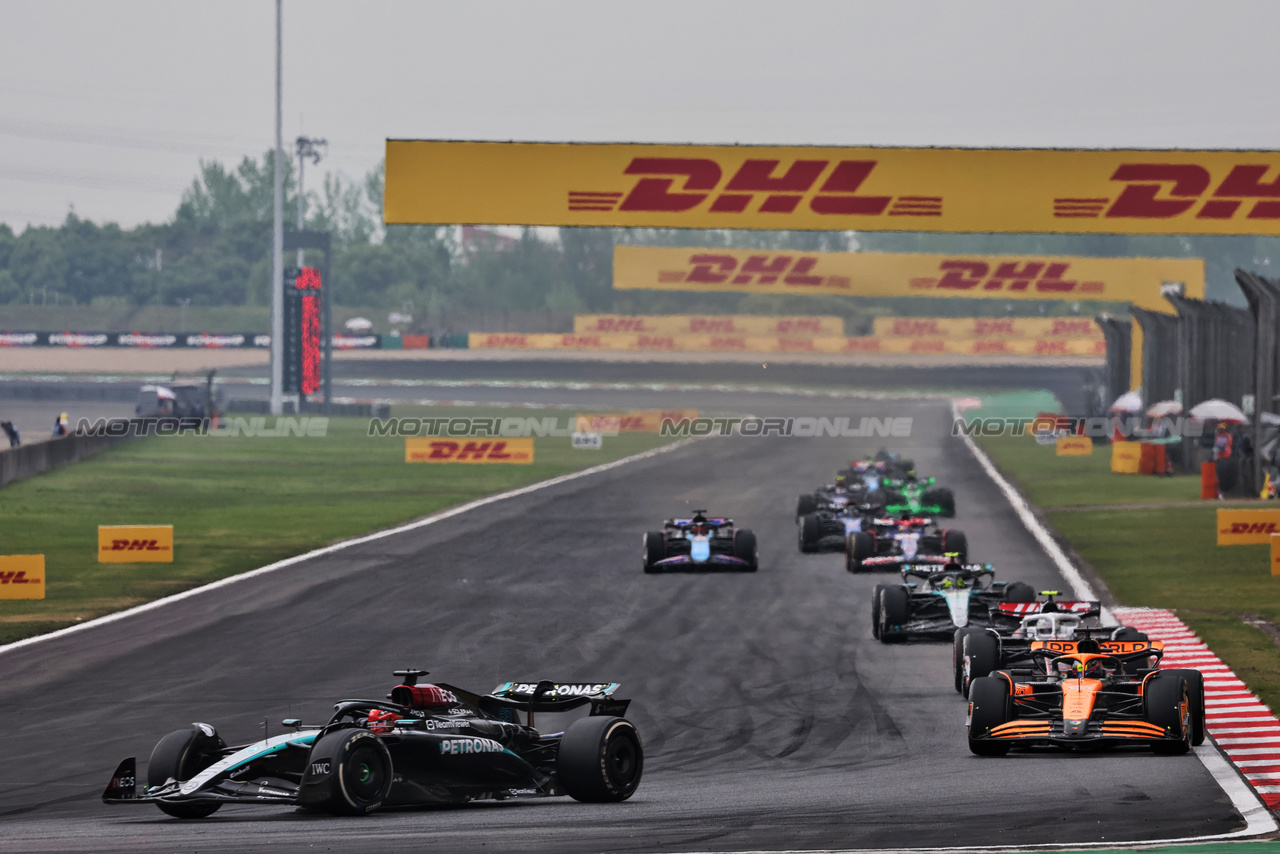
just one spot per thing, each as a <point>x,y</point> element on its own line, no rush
<point>22,577</point>
<point>1074,446</point>
<point>833,188</point>
<point>1247,527</point>
<point>891,274</point>
<point>474,451</point>
<point>135,544</point>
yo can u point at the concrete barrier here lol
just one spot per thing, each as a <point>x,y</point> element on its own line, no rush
<point>29,460</point>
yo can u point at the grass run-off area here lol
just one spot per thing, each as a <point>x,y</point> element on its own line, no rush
<point>238,503</point>
<point>1152,540</point>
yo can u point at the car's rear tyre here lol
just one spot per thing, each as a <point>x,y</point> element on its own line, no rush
<point>181,755</point>
<point>860,546</point>
<point>348,773</point>
<point>981,657</point>
<point>805,505</point>
<point>956,542</point>
<point>988,708</point>
<point>1195,693</point>
<point>1165,697</point>
<point>957,655</point>
<point>655,549</point>
<point>1019,592</point>
<point>895,608</point>
<point>943,498</point>
<point>810,532</point>
<point>744,548</point>
<point>875,611</point>
<point>600,759</point>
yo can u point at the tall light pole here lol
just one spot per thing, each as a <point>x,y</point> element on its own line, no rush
<point>277,236</point>
<point>314,149</point>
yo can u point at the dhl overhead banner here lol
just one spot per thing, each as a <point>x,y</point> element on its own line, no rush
<point>892,274</point>
<point>863,189</point>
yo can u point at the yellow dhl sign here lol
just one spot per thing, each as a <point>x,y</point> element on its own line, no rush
<point>1247,527</point>
<point>987,328</point>
<point>135,544</point>
<point>701,324</point>
<point>1074,446</point>
<point>474,451</point>
<point>833,188</point>
<point>898,274</point>
<point>640,421</point>
<point>22,577</point>
<point>1275,554</point>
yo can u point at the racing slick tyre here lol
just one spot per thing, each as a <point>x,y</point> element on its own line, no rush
<point>860,546</point>
<point>600,759</point>
<point>1168,706</point>
<point>957,542</point>
<point>980,656</point>
<point>805,505</point>
<point>945,500</point>
<point>348,773</point>
<point>181,755</point>
<point>810,532</point>
<point>1019,592</point>
<point>1195,693</point>
<point>957,656</point>
<point>875,611</point>
<point>988,707</point>
<point>744,547</point>
<point>895,609</point>
<point>655,549</point>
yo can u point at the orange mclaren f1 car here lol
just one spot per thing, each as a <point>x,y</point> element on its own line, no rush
<point>1088,693</point>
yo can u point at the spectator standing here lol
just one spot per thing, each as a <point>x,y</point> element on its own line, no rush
<point>12,432</point>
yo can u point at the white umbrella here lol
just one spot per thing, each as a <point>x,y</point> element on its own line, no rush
<point>1218,410</point>
<point>1130,401</point>
<point>359,324</point>
<point>1163,408</point>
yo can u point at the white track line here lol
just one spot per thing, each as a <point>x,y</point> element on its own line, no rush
<point>1258,817</point>
<point>368,538</point>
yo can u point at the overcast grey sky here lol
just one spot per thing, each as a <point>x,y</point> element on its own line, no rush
<point>109,106</point>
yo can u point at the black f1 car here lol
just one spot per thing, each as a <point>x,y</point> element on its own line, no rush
<point>1017,625</point>
<point>828,529</point>
<point>700,543</point>
<point>1088,693</point>
<point>940,599</point>
<point>889,543</point>
<point>425,745</point>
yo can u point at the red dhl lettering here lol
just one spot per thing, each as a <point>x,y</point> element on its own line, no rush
<point>135,545</point>
<point>1251,528</point>
<point>632,424</point>
<point>1073,326</point>
<point>1169,190</point>
<point>580,341</point>
<point>990,347</point>
<point>1055,348</point>
<point>679,184</point>
<point>903,326</point>
<point>462,452</point>
<point>1003,326</point>
<point>620,324</point>
<point>715,269</point>
<point>656,342</point>
<point>711,324</point>
<point>862,345</point>
<point>17,577</point>
<point>1042,276</point>
<point>506,341</point>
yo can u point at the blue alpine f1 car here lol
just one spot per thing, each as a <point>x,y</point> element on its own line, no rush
<point>700,543</point>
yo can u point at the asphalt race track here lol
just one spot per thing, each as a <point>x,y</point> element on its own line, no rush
<point>772,720</point>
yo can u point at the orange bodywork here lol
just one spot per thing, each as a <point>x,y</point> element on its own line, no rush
<point>1077,698</point>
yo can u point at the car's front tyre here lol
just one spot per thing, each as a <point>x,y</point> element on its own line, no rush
<point>181,755</point>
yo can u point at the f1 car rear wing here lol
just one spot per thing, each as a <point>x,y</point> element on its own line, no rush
<point>547,696</point>
<point>1116,648</point>
<point>1023,609</point>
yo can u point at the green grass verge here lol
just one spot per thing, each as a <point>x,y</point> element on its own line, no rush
<point>238,503</point>
<point>1154,544</point>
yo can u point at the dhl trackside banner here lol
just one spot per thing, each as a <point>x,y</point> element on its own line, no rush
<point>794,344</point>
<point>1247,527</point>
<point>701,324</point>
<point>830,188</point>
<point>135,544</point>
<point>640,421</point>
<point>490,451</point>
<point>893,274</point>
<point>1047,328</point>
<point>22,577</point>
